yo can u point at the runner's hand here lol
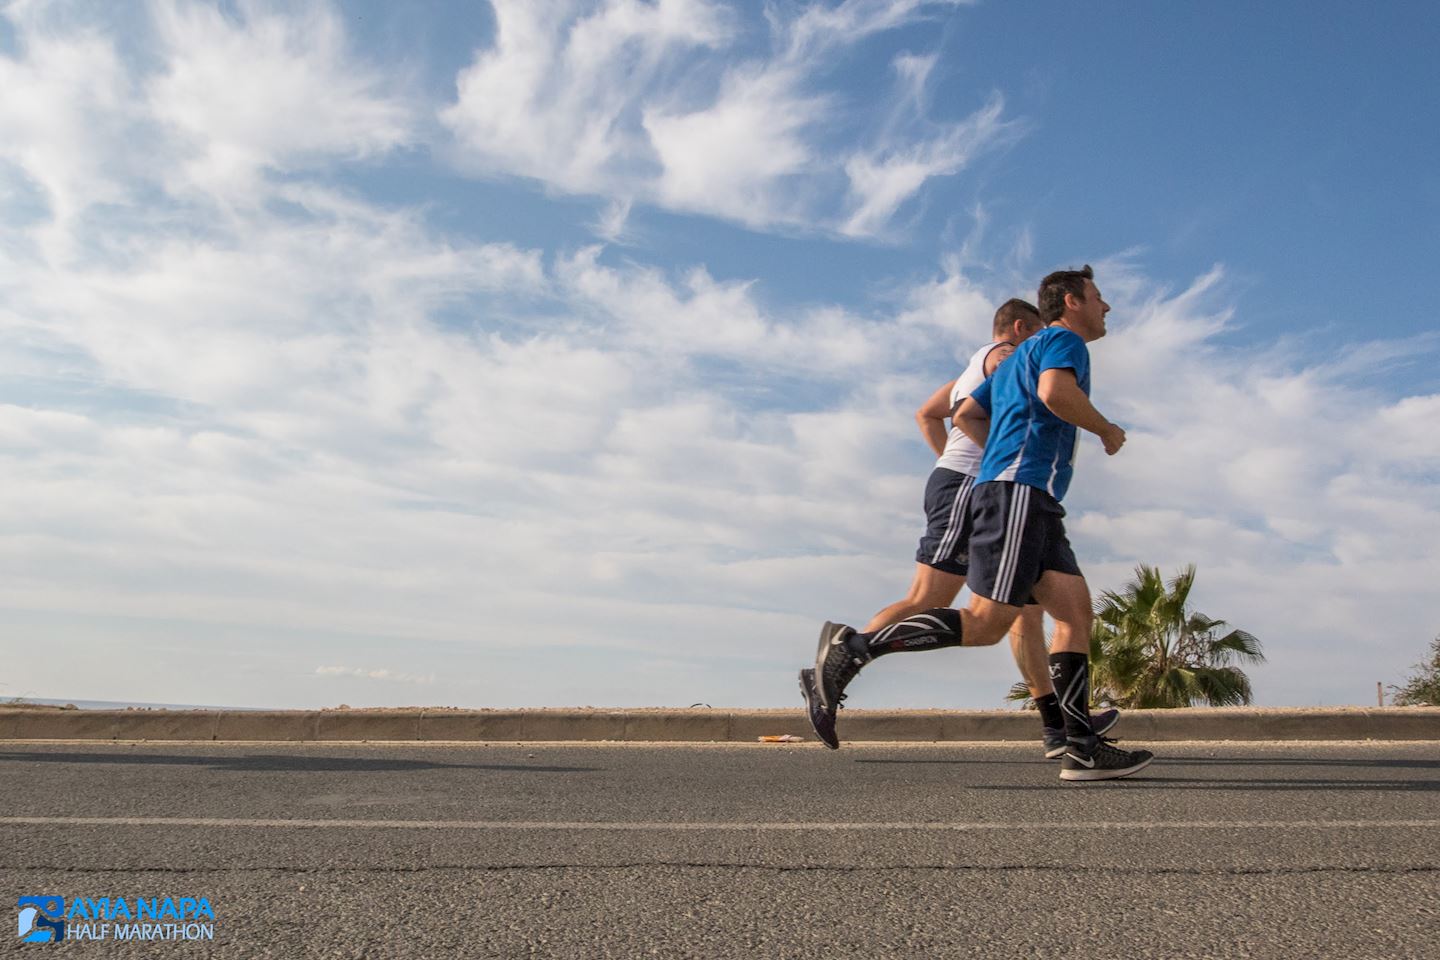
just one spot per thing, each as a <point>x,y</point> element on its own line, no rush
<point>1113,437</point>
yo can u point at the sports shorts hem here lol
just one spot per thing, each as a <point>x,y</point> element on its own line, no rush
<point>945,545</point>
<point>1017,535</point>
<point>952,567</point>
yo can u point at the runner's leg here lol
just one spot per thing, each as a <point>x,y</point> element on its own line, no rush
<point>1027,644</point>
<point>1066,597</point>
<point>931,588</point>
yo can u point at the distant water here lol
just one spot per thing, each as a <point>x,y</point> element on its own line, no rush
<point>121,704</point>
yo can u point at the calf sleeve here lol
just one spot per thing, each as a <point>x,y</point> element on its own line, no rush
<point>1071,674</point>
<point>930,630</point>
<point>1050,715</point>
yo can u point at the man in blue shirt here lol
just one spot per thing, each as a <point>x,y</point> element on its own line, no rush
<point>1026,416</point>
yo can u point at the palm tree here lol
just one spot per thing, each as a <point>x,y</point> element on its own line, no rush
<point>1148,650</point>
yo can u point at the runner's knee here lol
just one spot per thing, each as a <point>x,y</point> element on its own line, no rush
<point>987,622</point>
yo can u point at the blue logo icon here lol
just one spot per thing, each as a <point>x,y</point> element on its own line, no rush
<point>42,919</point>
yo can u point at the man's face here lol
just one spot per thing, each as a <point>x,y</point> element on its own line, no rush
<point>1087,317</point>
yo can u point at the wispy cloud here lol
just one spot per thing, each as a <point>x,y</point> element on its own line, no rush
<point>391,676</point>
<point>221,97</point>
<point>69,108</point>
<point>885,177</point>
<point>649,102</point>
<point>269,88</point>
<point>556,95</point>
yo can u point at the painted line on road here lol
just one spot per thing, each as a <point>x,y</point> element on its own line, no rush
<point>714,826</point>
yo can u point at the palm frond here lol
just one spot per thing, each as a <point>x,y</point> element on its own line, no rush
<point>1244,645</point>
<point>1020,693</point>
<point>1223,686</point>
<point>1181,584</point>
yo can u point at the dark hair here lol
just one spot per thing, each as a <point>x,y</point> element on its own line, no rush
<point>1054,287</point>
<point>1009,312</point>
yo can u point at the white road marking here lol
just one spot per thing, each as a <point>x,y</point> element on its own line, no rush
<point>714,826</point>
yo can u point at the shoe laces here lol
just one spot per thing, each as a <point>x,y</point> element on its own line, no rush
<point>1106,744</point>
<point>843,675</point>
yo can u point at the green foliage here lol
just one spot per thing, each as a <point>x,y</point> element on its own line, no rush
<point>1020,693</point>
<point>1423,688</point>
<point>1149,650</point>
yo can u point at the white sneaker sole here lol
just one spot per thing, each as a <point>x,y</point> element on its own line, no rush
<point>1105,774</point>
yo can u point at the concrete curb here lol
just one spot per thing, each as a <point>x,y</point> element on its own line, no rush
<point>699,725</point>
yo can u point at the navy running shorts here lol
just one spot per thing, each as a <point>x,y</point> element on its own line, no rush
<point>947,521</point>
<point>1017,534</point>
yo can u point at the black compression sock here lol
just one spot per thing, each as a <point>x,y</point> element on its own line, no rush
<point>1071,674</point>
<point>930,630</point>
<point>1050,715</point>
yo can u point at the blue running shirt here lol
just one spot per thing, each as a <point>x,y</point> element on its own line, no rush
<point>1028,443</point>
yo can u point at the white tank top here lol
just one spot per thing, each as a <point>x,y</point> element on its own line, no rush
<point>962,454</point>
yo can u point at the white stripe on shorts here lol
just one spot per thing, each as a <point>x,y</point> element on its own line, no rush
<point>1014,528</point>
<point>956,522</point>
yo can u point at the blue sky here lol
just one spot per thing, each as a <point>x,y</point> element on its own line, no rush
<point>549,353</point>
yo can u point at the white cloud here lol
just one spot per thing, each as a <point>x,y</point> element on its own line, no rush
<point>392,676</point>
<point>610,226</point>
<point>215,103</point>
<point>884,178</point>
<point>819,27</point>
<point>650,103</point>
<point>271,88</point>
<point>553,97</point>
<point>913,71</point>
<point>701,317</point>
<point>736,157</point>
<point>67,109</point>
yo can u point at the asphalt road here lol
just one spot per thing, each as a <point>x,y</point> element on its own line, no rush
<point>735,851</point>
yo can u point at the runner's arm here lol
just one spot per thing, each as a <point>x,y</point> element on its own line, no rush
<point>973,420</point>
<point>933,418</point>
<point>1059,391</point>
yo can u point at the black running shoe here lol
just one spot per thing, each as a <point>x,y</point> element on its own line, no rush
<point>835,664</point>
<point>1100,761</point>
<point>1056,740</point>
<point>821,719</point>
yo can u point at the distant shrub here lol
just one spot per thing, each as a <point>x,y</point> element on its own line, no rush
<point>1422,689</point>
